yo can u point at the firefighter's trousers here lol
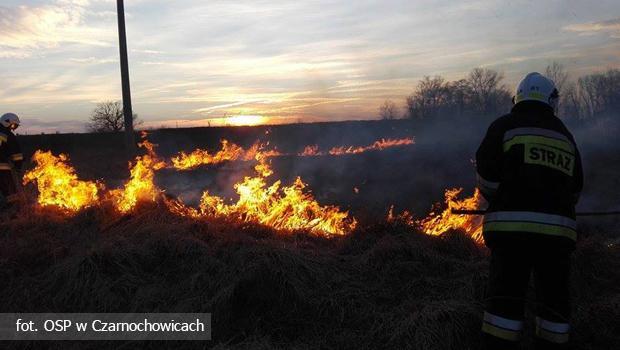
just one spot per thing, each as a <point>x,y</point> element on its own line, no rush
<point>509,277</point>
<point>7,184</point>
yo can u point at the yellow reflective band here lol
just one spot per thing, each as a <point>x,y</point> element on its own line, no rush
<point>534,131</point>
<point>17,156</point>
<point>531,95</point>
<point>536,95</point>
<point>518,226</point>
<point>530,216</point>
<point>549,157</point>
<point>500,332</point>
<point>5,166</point>
<point>2,138</point>
<point>558,338</point>
<point>541,140</point>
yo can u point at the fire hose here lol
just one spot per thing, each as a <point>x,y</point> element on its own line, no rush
<point>585,213</point>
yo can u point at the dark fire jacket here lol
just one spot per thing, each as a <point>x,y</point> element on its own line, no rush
<point>529,169</point>
<point>10,152</point>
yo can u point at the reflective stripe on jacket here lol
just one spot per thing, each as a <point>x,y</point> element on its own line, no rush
<point>524,221</point>
<point>529,169</point>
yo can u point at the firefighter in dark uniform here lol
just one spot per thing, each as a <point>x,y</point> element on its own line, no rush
<point>529,170</point>
<point>11,157</point>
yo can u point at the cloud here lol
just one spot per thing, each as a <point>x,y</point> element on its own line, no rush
<point>150,52</point>
<point>93,60</point>
<point>27,29</point>
<point>13,53</point>
<point>312,60</point>
<point>611,27</point>
<point>208,110</point>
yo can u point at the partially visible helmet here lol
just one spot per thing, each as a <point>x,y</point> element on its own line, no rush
<point>10,120</point>
<point>537,87</point>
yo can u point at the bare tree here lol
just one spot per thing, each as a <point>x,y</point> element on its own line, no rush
<point>570,106</point>
<point>483,94</point>
<point>600,93</point>
<point>388,110</point>
<point>458,95</point>
<point>427,99</point>
<point>487,91</point>
<point>108,117</point>
<point>556,72</point>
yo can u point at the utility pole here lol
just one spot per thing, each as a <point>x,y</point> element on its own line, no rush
<point>127,111</point>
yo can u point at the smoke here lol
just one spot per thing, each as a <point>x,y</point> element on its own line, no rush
<point>411,177</point>
<point>189,185</point>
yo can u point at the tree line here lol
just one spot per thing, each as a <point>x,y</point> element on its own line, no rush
<point>483,93</point>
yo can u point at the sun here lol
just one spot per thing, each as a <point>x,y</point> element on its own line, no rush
<point>246,120</point>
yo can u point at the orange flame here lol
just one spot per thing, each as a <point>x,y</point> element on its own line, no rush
<point>313,150</point>
<point>437,224</point>
<point>405,217</point>
<point>58,185</point>
<point>288,208</point>
<point>310,151</point>
<point>376,146</point>
<point>232,152</point>
<point>228,152</point>
<point>140,187</point>
<point>281,207</point>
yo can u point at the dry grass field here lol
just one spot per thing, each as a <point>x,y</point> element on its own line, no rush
<point>383,285</point>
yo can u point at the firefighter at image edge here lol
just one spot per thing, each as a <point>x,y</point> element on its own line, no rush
<point>11,157</point>
<point>529,170</point>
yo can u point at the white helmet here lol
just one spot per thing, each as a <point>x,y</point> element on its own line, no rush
<point>10,120</point>
<point>537,87</point>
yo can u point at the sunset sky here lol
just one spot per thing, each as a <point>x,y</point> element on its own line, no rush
<point>192,61</point>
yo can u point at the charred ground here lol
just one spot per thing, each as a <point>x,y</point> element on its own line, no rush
<point>383,286</point>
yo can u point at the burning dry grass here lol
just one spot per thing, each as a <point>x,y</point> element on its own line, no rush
<point>281,207</point>
<point>140,187</point>
<point>380,145</point>
<point>384,286</point>
<point>277,206</point>
<point>439,223</point>
<point>228,152</point>
<point>376,146</point>
<point>58,185</point>
<point>232,152</point>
